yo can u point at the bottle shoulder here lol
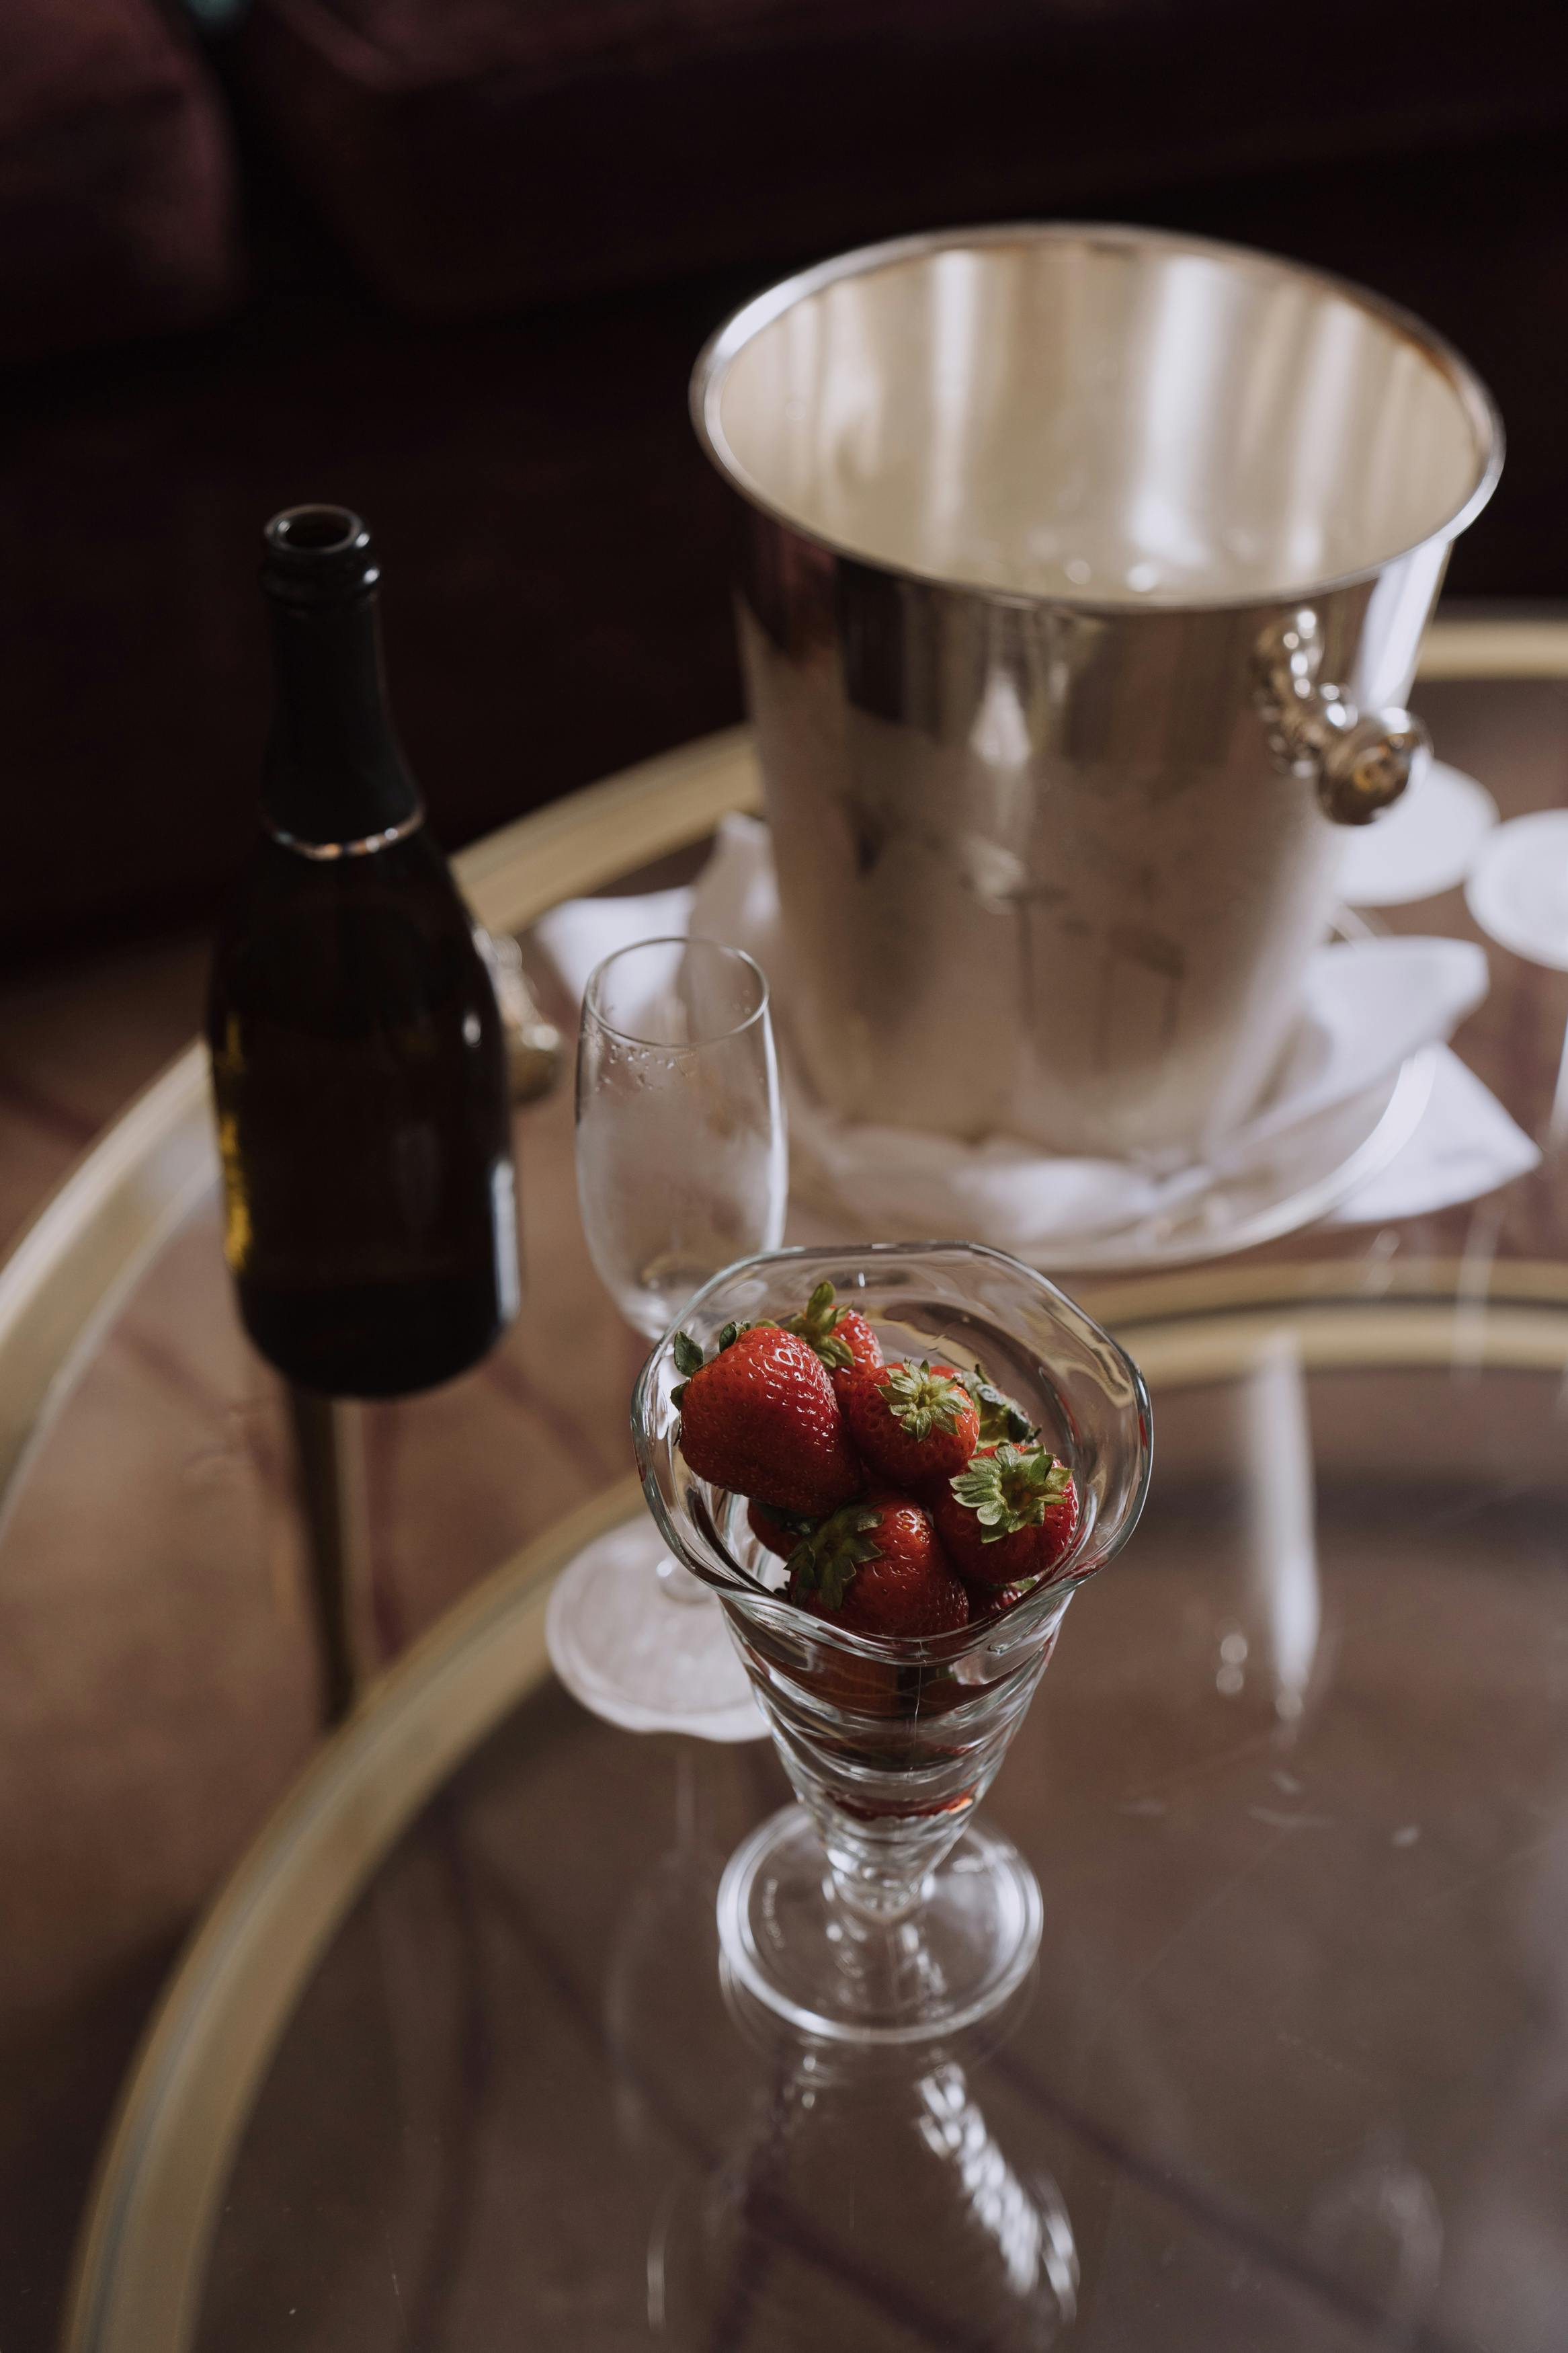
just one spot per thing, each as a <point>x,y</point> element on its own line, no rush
<point>377,941</point>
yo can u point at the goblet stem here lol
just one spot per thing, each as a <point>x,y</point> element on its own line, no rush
<point>880,1870</point>
<point>677,1584</point>
<point>883,1958</point>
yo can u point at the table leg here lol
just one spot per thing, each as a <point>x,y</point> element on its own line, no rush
<point>326,1459</point>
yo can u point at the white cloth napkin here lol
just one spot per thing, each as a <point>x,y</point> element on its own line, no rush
<point>1368,1005</point>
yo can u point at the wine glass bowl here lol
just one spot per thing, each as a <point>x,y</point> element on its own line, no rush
<point>890,1744</point>
<point>682,1162</point>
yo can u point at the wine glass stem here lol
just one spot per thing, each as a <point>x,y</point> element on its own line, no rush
<point>677,1584</point>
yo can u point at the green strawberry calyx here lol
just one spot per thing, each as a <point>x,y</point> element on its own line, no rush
<point>921,1401</point>
<point>689,1358</point>
<point>1011,1489</point>
<point>826,1561</point>
<point>1002,1420</point>
<point>817,1325</point>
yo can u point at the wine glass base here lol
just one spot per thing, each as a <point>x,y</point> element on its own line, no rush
<point>795,1946</point>
<point>640,1658</point>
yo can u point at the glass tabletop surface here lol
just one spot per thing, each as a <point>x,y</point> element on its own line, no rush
<point>1292,2071</point>
<point>1292,2068</point>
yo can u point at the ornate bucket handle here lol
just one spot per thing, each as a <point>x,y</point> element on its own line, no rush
<point>1359,761</point>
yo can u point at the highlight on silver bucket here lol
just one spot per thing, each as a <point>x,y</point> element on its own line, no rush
<point>1081,577</point>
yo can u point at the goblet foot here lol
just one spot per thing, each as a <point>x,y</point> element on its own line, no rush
<point>640,1656</point>
<point>795,1944</point>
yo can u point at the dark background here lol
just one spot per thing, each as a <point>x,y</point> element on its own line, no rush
<point>450,261</point>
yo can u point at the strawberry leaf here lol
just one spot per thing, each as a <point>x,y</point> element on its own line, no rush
<point>826,1562</point>
<point>689,1358</point>
<point>817,1325</point>
<point>734,1332</point>
<point>921,1401</point>
<point>1011,1489</point>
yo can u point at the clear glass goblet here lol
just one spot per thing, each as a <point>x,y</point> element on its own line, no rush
<point>682,1166</point>
<point>878,1909</point>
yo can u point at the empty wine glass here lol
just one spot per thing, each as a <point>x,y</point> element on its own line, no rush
<point>681,1168</point>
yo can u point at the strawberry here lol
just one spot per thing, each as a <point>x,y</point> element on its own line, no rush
<point>780,1532</point>
<point>914,1425</point>
<point>988,1601</point>
<point>876,1568</point>
<point>840,1335</point>
<point>760,1419</point>
<point>994,1518</point>
<point>1059,1528</point>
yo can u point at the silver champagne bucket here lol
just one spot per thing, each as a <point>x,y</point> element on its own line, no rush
<point>1081,576</point>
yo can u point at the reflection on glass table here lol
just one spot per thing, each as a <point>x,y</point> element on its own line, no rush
<point>866,2196</point>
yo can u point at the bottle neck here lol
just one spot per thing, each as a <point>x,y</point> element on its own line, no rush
<point>335,781</point>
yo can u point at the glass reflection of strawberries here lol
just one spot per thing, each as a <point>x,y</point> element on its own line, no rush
<point>914,1425</point>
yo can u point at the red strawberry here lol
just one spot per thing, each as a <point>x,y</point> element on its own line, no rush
<point>840,1335</point>
<point>761,1420</point>
<point>878,1568</point>
<point>988,1601</point>
<point>1059,1528</point>
<point>914,1425</point>
<point>995,1516</point>
<point>780,1532</point>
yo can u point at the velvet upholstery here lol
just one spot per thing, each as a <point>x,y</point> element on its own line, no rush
<point>474,154</point>
<point>117,194</point>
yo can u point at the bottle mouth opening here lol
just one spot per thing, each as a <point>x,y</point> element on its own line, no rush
<point>318,552</point>
<point>315,531</point>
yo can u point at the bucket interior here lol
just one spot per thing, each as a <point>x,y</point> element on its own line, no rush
<point>1100,416</point>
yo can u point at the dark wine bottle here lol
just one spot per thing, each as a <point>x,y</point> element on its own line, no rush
<point>359,1062</point>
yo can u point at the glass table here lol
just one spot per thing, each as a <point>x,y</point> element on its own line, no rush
<point>448,2064</point>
